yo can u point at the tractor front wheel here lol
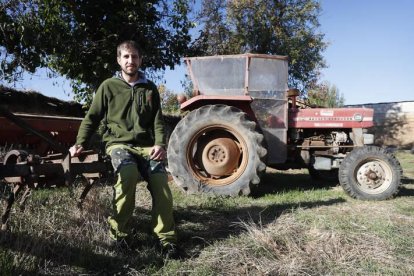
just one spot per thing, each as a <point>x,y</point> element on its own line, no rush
<point>370,173</point>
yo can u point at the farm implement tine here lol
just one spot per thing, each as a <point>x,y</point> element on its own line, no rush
<point>85,192</point>
<point>66,169</point>
<point>25,196</point>
<point>10,200</point>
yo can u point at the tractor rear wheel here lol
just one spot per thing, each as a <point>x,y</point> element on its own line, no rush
<point>370,173</point>
<point>216,149</point>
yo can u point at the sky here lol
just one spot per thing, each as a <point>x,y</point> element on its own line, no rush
<point>371,51</point>
<point>370,55</point>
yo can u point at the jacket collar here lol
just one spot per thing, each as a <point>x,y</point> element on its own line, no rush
<point>141,78</point>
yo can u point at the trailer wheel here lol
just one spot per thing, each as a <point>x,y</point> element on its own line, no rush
<point>370,173</point>
<point>14,157</point>
<point>216,149</point>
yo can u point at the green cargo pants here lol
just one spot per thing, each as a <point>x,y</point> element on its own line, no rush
<point>131,164</point>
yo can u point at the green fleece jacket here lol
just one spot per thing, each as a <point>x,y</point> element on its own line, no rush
<point>132,114</point>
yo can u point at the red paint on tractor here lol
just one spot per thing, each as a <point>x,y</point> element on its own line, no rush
<point>331,118</point>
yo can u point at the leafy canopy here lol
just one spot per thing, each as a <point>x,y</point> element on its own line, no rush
<point>325,95</point>
<point>78,38</point>
<point>169,101</point>
<point>282,27</point>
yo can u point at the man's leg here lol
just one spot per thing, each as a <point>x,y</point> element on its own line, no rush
<point>162,204</point>
<point>124,192</point>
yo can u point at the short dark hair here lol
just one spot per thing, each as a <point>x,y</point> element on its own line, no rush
<point>128,44</point>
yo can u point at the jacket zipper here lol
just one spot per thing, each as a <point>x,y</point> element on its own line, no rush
<point>140,99</point>
<point>140,102</point>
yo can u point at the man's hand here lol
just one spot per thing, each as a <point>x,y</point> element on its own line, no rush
<point>75,150</point>
<point>158,153</point>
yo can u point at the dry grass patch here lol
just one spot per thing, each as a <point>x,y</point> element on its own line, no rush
<point>291,247</point>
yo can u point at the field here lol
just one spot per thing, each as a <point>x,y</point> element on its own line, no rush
<point>290,225</point>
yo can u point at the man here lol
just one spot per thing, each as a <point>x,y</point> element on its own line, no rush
<point>129,106</point>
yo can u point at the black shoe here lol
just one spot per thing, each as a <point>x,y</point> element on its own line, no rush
<point>170,251</point>
<point>120,244</point>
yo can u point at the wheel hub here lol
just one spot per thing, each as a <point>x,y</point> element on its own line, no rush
<point>372,175</point>
<point>221,156</point>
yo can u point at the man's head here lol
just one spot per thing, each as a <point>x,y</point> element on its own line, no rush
<point>128,44</point>
<point>129,57</point>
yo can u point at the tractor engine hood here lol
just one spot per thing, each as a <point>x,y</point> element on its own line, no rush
<point>331,118</point>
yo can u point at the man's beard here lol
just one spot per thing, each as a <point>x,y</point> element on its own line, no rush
<point>131,74</point>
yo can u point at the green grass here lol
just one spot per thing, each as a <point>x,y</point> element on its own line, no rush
<point>290,225</point>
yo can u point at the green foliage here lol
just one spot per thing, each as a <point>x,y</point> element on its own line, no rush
<point>78,39</point>
<point>282,27</point>
<point>187,84</point>
<point>325,95</point>
<point>169,101</point>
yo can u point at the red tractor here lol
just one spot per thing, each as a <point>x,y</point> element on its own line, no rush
<point>243,118</point>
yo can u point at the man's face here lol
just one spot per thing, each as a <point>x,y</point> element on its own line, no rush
<point>130,61</point>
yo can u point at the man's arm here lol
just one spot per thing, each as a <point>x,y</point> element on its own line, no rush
<point>90,123</point>
<point>158,151</point>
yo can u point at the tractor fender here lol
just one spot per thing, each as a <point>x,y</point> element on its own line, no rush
<point>241,102</point>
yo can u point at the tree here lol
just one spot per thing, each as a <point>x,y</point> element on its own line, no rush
<point>283,27</point>
<point>325,95</point>
<point>169,101</point>
<point>77,39</point>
